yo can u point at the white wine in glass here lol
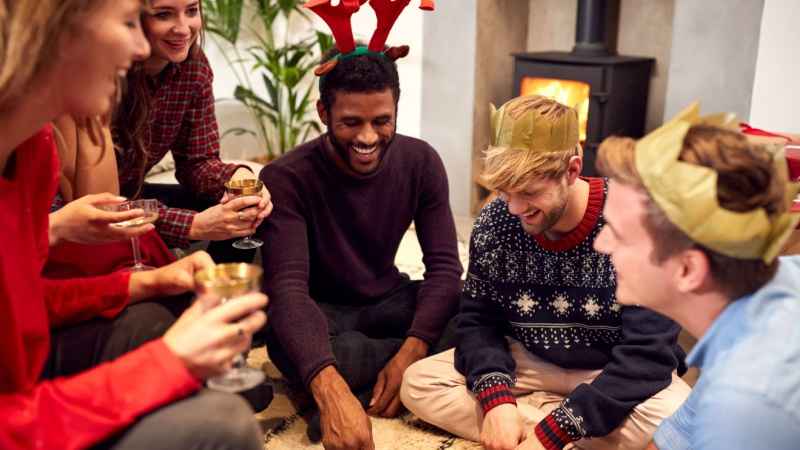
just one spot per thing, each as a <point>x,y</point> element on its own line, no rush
<point>243,188</point>
<point>228,282</point>
<point>150,208</point>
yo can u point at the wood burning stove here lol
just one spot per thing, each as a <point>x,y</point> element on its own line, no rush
<point>608,90</point>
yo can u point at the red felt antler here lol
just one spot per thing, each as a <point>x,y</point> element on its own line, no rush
<point>338,19</point>
<point>387,12</point>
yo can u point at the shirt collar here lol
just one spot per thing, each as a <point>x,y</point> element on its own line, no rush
<point>725,330</point>
<point>742,316</point>
<point>735,320</point>
<point>165,76</point>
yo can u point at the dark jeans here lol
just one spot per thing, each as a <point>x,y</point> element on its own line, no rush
<point>76,348</point>
<point>207,421</point>
<point>185,424</point>
<point>176,196</point>
<point>363,338</point>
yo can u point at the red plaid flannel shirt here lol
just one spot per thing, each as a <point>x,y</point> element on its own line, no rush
<point>182,120</point>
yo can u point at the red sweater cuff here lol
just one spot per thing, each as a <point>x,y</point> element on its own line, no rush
<point>495,396</point>
<point>551,435</point>
<point>122,280</point>
<point>185,383</point>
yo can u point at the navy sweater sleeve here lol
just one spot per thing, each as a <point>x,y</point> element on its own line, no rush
<point>641,365</point>
<point>482,354</point>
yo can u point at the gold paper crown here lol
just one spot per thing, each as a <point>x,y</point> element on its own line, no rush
<point>534,123</point>
<point>687,193</point>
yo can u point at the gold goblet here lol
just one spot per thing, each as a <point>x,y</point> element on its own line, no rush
<point>228,282</point>
<point>242,188</point>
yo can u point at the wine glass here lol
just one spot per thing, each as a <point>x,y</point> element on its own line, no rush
<point>229,281</point>
<point>150,208</point>
<point>241,188</point>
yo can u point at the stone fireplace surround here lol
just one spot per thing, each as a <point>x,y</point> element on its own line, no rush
<point>703,50</point>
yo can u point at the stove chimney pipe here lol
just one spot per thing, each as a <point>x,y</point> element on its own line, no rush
<point>597,22</point>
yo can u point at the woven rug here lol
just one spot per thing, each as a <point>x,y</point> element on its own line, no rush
<point>284,429</point>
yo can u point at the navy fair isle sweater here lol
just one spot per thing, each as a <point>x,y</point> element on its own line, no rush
<point>557,298</point>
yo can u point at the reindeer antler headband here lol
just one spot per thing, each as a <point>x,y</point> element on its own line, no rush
<point>338,19</point>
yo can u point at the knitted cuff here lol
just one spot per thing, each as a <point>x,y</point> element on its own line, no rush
<point>557,430</point>
<point>494,390</point>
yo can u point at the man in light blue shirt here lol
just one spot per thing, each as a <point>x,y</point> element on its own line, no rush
<point>695,217</point>
<point>749,393</point>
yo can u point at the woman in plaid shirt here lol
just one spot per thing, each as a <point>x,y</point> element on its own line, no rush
<point>169,106</point>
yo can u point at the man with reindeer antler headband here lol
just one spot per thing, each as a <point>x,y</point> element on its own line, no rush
<point>696,216</point>
<point>344,322</point>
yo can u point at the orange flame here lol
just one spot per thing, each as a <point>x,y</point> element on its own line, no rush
<point>574,94</point>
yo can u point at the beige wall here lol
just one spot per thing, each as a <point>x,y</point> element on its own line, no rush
<point>551,25</point>
<point>448,93</point>
<point>713,55</point>
<point>645,29</point>
<point>502,29</point>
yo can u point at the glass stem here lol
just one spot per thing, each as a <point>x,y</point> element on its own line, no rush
<point>137,255</point>
<point>239,362</point>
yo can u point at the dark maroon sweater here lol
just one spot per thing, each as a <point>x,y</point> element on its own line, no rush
<point>333,237</point>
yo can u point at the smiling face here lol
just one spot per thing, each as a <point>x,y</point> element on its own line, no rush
<point>361,126</point>
<point>539,205</point>
<point>106,42</point>
<point>640,279</point>
<point>172,27</point>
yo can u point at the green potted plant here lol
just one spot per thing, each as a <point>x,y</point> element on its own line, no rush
<point>281,62</point>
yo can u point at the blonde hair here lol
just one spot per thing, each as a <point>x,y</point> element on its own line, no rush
<point>30,35</point>
<point>746,180</point>
<point>510,169</point>
<point>519,156</point>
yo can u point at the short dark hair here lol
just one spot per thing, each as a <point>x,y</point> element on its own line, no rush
<point>365,74</point>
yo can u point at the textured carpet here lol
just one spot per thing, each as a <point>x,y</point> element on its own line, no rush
<point>284,429</point>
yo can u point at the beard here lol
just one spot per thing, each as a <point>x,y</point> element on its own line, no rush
<point>549,220</point>
<point>345,153</point>
<point>340,149</point>
<point>551,217</point>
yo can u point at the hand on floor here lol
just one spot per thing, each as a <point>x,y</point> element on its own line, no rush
<point>502,428</point>
<point>345,425</point>
<point>386,395</point>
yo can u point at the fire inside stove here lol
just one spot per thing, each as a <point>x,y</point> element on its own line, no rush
<point>567,92</point>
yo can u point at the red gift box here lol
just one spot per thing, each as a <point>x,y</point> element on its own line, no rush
<point>793,161</point>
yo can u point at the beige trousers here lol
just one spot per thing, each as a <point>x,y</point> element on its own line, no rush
<point>437,393</point>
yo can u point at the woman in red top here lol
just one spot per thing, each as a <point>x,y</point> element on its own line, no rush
<point>169,107</point>
<point>61,57</point>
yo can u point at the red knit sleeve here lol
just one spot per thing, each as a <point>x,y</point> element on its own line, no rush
<point>76,300</point>
<point>83,410</point>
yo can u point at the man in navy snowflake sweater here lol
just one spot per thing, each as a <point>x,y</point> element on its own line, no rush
<point>545,354</point>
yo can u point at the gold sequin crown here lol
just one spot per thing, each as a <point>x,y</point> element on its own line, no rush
<point>534,123</point>
<point>687,193</point>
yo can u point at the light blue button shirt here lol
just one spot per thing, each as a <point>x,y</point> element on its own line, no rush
<point>748,394</point>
